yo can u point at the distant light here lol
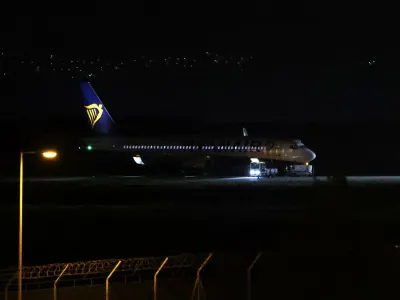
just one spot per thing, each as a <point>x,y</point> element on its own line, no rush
<point>138,160</point>
<point>49,154</point>
<point>89,147</point>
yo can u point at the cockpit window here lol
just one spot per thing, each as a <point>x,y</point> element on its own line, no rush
<point>298,145</point>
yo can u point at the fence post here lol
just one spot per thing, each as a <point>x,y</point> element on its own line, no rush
<point>108,278</point>
<point>198,284</point>
<point>155,278</point>
<point>249,275</point>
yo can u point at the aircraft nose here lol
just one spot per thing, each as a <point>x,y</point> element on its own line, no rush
<point>310,155</point>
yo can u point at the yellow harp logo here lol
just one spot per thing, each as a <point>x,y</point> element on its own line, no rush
<point>94,112</point>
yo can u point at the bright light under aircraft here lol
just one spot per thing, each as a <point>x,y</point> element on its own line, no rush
<point>49,154</point>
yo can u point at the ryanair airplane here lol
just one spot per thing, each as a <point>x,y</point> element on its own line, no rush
<point>189,153</point>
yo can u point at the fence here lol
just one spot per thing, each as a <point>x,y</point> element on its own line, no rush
<point>173,277</point>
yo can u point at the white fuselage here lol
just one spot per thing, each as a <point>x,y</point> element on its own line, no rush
<point>263,149</point>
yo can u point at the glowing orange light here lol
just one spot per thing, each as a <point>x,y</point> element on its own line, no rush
<point>49,154</point>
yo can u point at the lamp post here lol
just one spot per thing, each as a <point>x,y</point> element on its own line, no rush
<point>47,155</point>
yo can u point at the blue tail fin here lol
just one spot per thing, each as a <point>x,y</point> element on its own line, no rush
<point>99,118</point>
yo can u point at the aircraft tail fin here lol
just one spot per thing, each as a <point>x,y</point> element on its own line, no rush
<point>99,118</point>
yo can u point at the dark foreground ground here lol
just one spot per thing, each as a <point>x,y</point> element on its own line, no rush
<point>322,241</point>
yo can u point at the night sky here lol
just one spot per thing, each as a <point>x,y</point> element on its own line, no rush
<point>299,66</point>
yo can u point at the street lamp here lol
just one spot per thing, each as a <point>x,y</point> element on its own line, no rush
<point>48,154</point>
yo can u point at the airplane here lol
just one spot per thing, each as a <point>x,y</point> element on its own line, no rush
<point>189,152</point>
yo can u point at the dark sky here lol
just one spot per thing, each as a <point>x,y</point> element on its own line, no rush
<point>307,65</point>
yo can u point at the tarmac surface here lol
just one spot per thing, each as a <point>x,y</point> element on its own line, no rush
<point>194,181</point>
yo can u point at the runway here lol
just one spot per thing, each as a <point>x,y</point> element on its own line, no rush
<point>193,181</point>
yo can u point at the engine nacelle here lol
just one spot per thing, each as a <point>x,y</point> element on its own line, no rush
<point>138,159</point>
